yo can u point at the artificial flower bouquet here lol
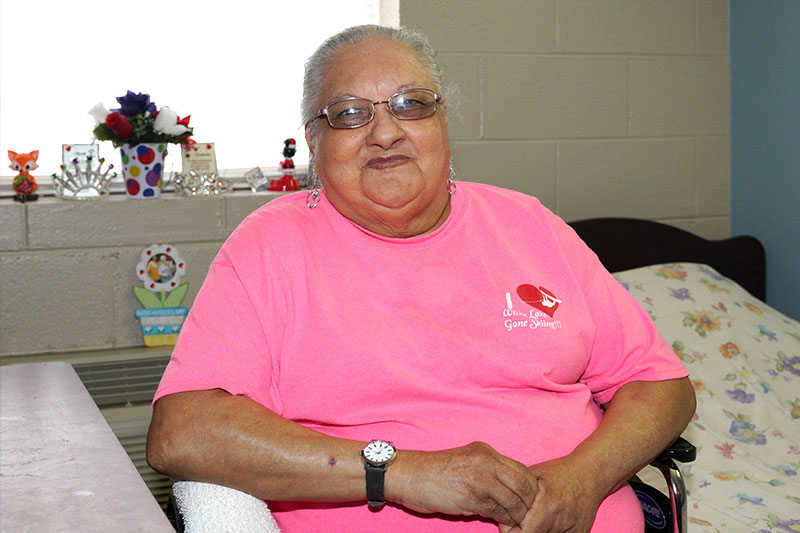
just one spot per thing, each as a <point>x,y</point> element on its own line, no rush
<point>138,120</point>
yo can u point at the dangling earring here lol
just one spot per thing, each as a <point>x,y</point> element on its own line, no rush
<point>313,196</point>
<point>451,180</point>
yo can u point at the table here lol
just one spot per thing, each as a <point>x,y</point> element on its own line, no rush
<point>62,467</point>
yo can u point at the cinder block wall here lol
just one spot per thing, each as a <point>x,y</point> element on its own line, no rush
<point>599,108</point>
<point>67,268</point>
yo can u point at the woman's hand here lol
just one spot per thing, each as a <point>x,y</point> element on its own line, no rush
<point>471,480</point>
<point>639,422</point>
<point>566,501</point>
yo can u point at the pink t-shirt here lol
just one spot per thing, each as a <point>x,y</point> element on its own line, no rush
<point>500,326</point>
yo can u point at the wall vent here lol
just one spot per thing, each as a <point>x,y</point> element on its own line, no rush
<point>122,382</point>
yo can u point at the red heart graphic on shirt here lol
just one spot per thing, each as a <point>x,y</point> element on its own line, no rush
<point>541,299</point>
<point>529,294</point>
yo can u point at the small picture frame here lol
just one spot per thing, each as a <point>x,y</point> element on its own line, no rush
<point>200,157</point>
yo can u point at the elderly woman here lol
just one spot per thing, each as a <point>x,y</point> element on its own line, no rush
<point>453,351</point>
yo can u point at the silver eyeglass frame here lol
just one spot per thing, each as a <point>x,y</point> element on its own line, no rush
<point>437,99</point>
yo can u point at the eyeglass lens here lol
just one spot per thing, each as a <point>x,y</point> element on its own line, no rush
<point>406,105</point>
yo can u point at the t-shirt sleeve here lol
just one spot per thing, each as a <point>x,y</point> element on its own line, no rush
<point>223,342</point>
<point>627,346</point>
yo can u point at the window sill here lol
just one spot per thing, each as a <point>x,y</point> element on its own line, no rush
<point>235,176</point>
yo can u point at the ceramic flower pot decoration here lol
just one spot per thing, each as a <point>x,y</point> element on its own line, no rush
<point>142,132</point>
<point>143,169</point>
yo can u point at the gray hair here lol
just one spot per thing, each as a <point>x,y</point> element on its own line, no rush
<point>317,64</point>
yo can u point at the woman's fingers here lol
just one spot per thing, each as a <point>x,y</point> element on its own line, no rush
<point>517,489</point>
<point>506,506</point>
<point>471,480</point>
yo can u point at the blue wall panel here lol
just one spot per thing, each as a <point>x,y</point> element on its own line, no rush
<point>765,139</point>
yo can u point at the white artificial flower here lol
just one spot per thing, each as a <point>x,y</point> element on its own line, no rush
<point>167,122</point>
<point>99,113</point>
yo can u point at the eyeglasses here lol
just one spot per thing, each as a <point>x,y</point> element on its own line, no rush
<point>353,112</point>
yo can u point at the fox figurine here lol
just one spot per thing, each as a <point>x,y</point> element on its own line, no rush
<point>24,183</point>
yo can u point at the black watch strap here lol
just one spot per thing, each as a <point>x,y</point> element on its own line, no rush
<point>375,476</point>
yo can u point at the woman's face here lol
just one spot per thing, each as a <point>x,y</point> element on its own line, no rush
<point>389,176</point>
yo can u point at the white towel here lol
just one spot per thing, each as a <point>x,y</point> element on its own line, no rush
<point>209,508</point>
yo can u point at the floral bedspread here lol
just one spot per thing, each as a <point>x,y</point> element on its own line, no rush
<point>743,358</point>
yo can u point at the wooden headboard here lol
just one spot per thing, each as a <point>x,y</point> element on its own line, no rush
<point>626,243</point>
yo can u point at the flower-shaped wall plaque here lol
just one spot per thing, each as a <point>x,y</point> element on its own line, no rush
<point>160,270</point>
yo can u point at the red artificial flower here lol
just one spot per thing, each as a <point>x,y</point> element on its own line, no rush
<point>184,121</point>
<point>119,125</point>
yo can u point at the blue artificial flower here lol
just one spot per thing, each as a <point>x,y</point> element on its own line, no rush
<point>133,104</point>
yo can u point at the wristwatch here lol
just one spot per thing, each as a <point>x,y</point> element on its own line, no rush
<point>377,456</point>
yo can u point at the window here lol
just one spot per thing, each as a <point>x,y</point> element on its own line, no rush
<point>235,66</point>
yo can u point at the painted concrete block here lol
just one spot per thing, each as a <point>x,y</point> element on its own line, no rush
<point>116,221</point>
<point>12,225</point>
<point>712,27</point>
<point>713,176</point>
<point>525,166</point>
<point>626,26</point>
<point>531,97</point>
<point>679,96</point>
<point>477,25</point>
<point>463,112</point>
<point>56,301</point>
<point>628,178</point>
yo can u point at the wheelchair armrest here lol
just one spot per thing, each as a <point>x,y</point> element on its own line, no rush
<point>676,515</point>
<point>681,450</point>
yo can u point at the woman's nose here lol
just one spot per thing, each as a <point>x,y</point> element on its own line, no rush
<point>385,129</point>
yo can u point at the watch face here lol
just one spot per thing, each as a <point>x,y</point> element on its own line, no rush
<point>378,452</point>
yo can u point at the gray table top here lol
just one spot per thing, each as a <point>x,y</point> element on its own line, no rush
<point>62,467</point>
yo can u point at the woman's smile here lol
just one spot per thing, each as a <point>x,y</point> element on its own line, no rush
<point>387,162</point>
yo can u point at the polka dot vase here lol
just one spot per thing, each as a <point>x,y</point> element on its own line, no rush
<point>143,169</point>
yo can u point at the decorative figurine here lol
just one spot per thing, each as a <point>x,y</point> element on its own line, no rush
<point>287,181</point>
<point>160,269</point>
<point>83,183</point>
<point>24,184</point>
